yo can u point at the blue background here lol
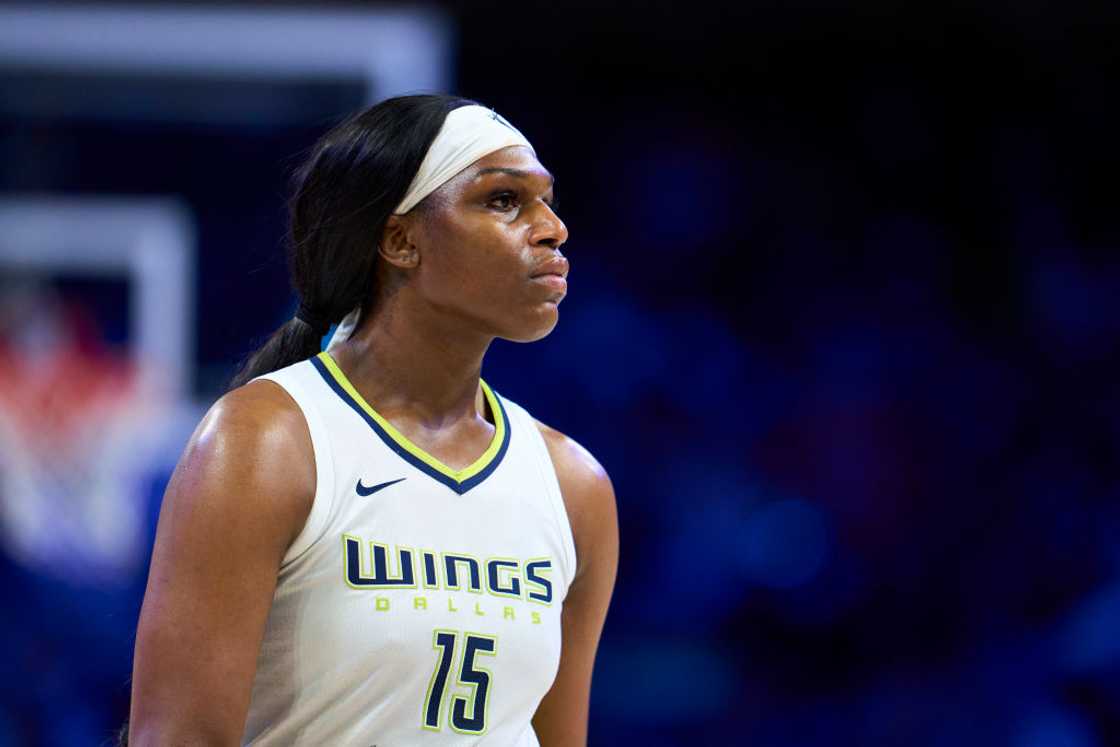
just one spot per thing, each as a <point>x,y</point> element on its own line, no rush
<point>842,326</point>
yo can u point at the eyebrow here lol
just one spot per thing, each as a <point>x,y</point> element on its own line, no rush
<point>513,172</point>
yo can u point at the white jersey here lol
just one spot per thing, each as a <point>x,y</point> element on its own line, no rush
<point>419,605</point>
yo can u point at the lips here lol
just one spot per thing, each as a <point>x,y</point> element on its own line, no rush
<point>554,266</point>
<point>552,273</point>
<point>555,282</point>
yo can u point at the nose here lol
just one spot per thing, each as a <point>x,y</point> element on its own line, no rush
<point>548,229</point>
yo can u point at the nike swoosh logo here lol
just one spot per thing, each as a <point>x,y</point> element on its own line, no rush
<point>364,491</point>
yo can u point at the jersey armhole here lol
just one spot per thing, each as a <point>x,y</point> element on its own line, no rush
<point>552,488</point>
<point>316,524</point>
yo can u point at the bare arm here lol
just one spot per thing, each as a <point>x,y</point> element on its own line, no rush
<point>239,496</point>
<point>561,718</point>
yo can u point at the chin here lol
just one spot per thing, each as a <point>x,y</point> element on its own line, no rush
<point>536,328</point>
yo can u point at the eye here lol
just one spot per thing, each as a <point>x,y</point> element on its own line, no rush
<point>503,200</point>
<point>553,204</point>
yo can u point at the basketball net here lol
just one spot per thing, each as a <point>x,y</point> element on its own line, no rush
<point>75,433</point>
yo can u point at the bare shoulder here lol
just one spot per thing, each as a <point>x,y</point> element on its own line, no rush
<point>254,444</point>
<point>573,460</point>
<point>257,408</point>
<point>587,491</point>
<point>260,426</point>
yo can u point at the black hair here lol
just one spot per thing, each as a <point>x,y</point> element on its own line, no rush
<point>342,196</point>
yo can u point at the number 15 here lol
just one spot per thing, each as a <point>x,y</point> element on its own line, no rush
<point>474,677</point>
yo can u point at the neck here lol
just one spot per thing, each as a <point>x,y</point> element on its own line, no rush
<point>408,360</point>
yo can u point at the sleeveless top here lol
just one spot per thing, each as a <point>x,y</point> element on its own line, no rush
<point>419,605</point>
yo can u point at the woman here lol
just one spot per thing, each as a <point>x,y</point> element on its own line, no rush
<point>369,546</point>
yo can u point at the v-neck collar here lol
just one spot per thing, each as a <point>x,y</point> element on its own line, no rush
<point>460,480</point>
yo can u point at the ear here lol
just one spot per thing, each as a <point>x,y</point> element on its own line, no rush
<point>397,247</point>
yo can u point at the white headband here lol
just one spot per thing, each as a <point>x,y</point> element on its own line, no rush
<point>468,134</point>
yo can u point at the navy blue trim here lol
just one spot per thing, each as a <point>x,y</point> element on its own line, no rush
<point>476,479</point>
<point>420,464</point>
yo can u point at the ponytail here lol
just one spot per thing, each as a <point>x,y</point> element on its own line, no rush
<point>293,342</point>
<point>343,194</point>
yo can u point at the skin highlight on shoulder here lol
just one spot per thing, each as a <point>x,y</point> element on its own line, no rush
<point>258,436</point>
<point>585,486</point>
<point>260,408</point>
<point>571,457</point>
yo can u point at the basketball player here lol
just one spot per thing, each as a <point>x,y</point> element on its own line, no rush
<point>370,545</point>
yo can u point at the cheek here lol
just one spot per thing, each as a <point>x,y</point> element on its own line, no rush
<point>448,264</point>
<point>489,254</point>
<point>479,266</point>
<point>467,272</point>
